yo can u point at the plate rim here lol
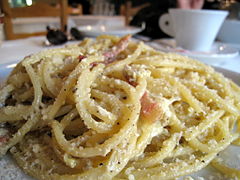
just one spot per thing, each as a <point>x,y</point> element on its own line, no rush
<point>96,32</point>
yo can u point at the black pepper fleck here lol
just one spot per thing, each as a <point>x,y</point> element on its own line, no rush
<point>124,97</point>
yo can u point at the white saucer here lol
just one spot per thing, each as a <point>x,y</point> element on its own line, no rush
<point>218,53</point>
<point>97,30</point>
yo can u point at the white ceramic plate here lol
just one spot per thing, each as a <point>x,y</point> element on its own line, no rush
<point>10,171</point>
<point>93,31</point>
<point>218,53</point>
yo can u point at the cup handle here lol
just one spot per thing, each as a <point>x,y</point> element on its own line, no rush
<point>165,24</point>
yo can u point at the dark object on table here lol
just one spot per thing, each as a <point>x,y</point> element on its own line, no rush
<point>56,36</point>
<point>76,34</point>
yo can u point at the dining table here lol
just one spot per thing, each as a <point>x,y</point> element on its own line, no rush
<point>13,51</point>
<point>39,24</point>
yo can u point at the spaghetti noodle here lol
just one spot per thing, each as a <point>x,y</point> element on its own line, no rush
<point>114,109</point>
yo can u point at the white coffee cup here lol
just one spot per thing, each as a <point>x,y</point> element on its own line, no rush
<point>193,29</point>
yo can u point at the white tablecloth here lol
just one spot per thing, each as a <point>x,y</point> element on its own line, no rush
<point>16,50</point>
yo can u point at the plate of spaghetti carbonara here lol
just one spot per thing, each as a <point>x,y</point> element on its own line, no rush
<point>111,108</point>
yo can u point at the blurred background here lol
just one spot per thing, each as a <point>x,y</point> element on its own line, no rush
<point>140,13</point>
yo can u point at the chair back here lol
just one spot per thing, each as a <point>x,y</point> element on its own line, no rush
<point>39,9</point>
